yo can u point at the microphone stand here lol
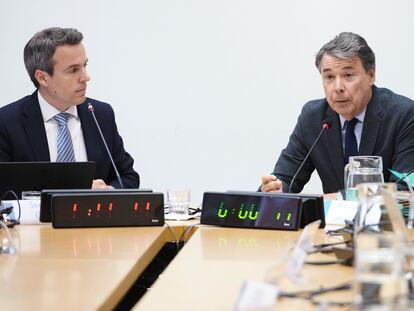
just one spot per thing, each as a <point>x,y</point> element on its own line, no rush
<point>325,126</point>
<point>91,109</point>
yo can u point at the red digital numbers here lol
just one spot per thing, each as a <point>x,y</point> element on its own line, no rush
<point>144,207</point>
<point>74,210</point>
<point>100,207</point>
<point>105,209</point>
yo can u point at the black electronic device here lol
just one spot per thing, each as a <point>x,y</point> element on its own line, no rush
<point>261,210</point>
<point>107,210</point>
<point>36,176</point>
<point>312,205</point>
<point>45,214</point>
<point>250,211</point>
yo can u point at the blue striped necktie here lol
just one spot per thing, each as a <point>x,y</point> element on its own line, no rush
<point>65,151</point>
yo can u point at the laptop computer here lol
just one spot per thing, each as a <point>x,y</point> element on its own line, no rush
<point>36,176</point>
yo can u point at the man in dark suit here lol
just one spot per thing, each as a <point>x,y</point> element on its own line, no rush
<point>365,120</point>
<point>56,61</point>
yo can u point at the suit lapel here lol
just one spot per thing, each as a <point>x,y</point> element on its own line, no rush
<point>372,123</point>
<point>89,133</point>
<point>333,141</point>
<point>32,120</point>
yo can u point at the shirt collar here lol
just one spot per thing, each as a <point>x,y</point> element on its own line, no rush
<point>48,111</point>
<point>360,118</point>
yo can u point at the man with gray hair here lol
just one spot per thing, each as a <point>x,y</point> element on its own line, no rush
<point>54,124</point>
<point>363,120</point>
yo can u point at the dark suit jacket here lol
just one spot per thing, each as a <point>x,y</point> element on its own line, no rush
<point>388,131</point>
<point>23,138</point>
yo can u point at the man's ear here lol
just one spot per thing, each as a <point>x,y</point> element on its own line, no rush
<point>371,73</point>
<point>42,77</point>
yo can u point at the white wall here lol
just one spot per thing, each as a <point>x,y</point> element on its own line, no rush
<point>207,92</point>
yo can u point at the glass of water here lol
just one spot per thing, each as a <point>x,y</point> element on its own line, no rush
<point>379,282</point>
<point>178,201</point>
<point>30,195</point>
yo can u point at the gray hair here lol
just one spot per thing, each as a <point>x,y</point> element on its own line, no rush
<point>39,51</point>
<point>345,46</point>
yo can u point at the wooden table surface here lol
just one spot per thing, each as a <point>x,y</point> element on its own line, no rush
<point>75,269</point>
<point>90,269</point>
<point>209,271</point>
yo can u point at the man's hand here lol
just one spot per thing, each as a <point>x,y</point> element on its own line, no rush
<point>270,183</point>
<point>330,196</point>
<point>100,184</point>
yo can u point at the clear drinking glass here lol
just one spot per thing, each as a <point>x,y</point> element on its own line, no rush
<point>370,214</point>
<point>362,169</point>
<point>178,201</point>
<point>6,241</point>
<point>379,282</point>
<point>30,195</point>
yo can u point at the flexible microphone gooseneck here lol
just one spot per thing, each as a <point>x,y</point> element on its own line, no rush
<point>326,124</point>
<point>92,111</point>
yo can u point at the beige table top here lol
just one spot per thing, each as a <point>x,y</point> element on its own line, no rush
<point>75,269</point>
<point>209,271</point>
<point>88,269</point>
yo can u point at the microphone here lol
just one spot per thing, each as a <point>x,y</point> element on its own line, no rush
<point>92,111</point>
<point>326,124</point>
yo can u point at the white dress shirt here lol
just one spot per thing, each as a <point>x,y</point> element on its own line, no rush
<point>51,127</point>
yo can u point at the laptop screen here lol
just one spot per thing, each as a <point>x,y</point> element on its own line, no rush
<point>36,176</point>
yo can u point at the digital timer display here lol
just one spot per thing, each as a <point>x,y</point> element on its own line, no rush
<point>107,210</point>
<point>251,211</point>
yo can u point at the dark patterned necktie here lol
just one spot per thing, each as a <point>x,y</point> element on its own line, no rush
<point>351,146</point>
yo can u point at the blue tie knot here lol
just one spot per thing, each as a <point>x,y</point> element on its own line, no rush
<point>62,118</point>
<point>351,124</point>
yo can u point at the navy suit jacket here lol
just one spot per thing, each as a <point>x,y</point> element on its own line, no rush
<point>388,131</point>
<point>23,138</point>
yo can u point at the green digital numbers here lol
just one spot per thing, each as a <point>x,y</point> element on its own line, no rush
<point>222,212</point>
<point>242,212</point>
<point>278,216</point>
<point>253,213</point>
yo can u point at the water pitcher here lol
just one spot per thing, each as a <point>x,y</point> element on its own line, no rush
<point>362,169</point>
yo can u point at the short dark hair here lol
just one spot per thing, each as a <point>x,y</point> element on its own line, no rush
<point>346,45</point>
<point>39,51</point>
